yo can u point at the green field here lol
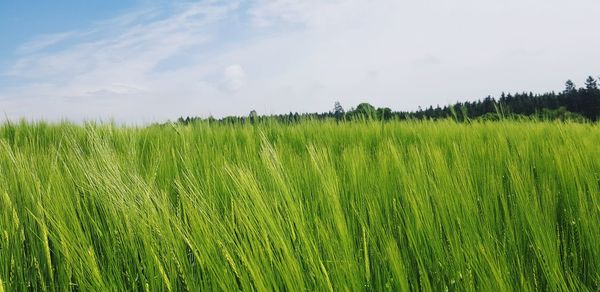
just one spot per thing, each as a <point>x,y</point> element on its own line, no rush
<point>314,206</point>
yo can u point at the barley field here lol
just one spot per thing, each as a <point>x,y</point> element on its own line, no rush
<point>314,206</point>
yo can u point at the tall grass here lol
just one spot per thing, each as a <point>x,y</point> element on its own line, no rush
<point>315,206</point>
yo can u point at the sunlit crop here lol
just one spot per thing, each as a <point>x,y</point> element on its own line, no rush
<point>315,206</point>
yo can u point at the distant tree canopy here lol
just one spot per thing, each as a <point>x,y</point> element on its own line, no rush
<point>363,110</point>
<point>576,104</point>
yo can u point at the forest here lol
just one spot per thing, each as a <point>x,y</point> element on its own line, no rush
<point>575,104</point>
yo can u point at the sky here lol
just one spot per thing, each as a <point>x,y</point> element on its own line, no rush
<point>141,61</point>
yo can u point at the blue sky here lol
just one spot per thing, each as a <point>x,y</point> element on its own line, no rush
<point>22,20</point>
<point>140,61</point>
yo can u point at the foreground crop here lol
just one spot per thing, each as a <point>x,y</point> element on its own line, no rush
<point>314,206</point>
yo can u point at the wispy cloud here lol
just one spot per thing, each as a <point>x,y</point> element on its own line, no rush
<point>114,61</point>
<point>222,58</point>
<point>43,42</point>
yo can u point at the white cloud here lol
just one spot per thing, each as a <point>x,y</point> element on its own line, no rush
<point>235,77</point>
<point>277,56</point>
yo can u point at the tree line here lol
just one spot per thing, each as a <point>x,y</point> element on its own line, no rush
<point>577,104</point>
